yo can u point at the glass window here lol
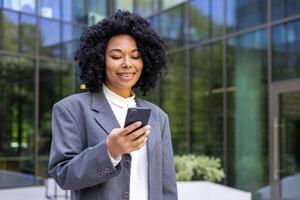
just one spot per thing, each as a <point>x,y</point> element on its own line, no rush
<point>217,17</point>
<point>28,6</point>
<point>20,5</point>
<point>67,11</point>
<point>248,113</point>
<point>50,9</point>
<point>146,8</point>
<point>96,10</point>
<point>16,121</point>
<point>207,100</point>
<point>80,12</point>
<point>286,51</point>
<point>170,3</point>
<point>172,29</point>
<point>199,20</point>
<point>124,5</point>
<point>28,34</point>
<point>242,14</point>
<point>67,41</point>
<point>10,23</point>
<point>285,8</point>
<point>50,43</point>
<point>56,82</point>
<point>174,100</point>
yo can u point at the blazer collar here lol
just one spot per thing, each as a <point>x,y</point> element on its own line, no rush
<point>105,116</point>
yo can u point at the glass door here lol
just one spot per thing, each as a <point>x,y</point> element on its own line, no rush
<point>285,141</point>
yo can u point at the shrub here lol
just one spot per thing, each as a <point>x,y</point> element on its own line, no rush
<point>198,167</point>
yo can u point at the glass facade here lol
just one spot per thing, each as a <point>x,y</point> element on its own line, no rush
<point>226,59</point>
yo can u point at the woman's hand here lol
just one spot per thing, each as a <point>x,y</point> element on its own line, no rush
<point>124,140</point>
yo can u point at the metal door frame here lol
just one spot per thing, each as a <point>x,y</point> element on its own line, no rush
<point>277,88</point>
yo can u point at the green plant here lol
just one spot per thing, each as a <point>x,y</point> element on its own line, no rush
<point>192,167</point>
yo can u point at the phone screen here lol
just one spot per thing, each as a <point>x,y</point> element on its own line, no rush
<point>137,114</point>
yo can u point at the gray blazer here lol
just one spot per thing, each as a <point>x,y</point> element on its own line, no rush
<point>79,159</point>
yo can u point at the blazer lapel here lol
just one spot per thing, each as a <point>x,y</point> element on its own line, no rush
<point>105,116</point>
<point>154,131</point>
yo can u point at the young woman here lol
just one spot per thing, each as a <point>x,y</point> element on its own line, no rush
<point>92,153</point>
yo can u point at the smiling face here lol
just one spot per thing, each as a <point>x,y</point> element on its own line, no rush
<point>123,64</point>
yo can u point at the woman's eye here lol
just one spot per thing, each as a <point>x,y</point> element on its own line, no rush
<point>116,57</point>
<point>136,57</point>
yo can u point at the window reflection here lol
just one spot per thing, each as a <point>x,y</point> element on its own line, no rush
<point>28,34</point>
<point>247,113</point>
<point>96,10</point>
<point>55,83</point>
<point>67,11</point>
<point>50,43</point>
<point>20,5</point>
<point>207,100</point>
<point>16,121</point>
<point>167,3</point>
<point>10,23</point>
<point>146,8</point>
<point>286,51</point>
<point>50,9</point>
<point>172,29</point>
<point>124,5</point>
<point>285,8</point>
<point>174,101</point>
<point>242,14</point>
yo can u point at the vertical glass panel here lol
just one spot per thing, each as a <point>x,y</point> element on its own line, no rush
<point>56,82</point>
<point>16,121</point>
<point>174,100</point>
<point>199,20</point>
<point>286,51</point>
<point>80,12</point>
<point>285,8</point>
<point>67,10</point>
<point>12,4</point>
<point>170,3</point>
<point>49,43</point>
<point>172,29</point>
<point>28,34</point>
<point>146,7</point>
<point>67,41</point>
<point>50,8</point>
<point>217,17</point>
<point>207,100</point>
<point>289,145</point>
<point>96,10</point>
<point>28,6</point>
<point>247,114</point>
<point>242,14</point>
<point>124,5</point>
<point>10,23</point>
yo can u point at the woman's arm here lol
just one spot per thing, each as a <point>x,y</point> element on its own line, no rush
<point>169,176</point>
<point>71,164</point>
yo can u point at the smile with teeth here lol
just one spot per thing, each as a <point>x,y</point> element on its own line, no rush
<point>125,75</point>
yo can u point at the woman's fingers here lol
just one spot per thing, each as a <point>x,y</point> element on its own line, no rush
<point>131,128</point>
<point>138,133</point>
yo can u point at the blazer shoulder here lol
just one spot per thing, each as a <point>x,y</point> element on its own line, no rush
<point>75,100</point>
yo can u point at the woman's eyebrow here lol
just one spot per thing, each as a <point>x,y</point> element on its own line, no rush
<point>119,50</point>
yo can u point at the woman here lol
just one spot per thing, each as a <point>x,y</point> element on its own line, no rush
<point>92,154</point>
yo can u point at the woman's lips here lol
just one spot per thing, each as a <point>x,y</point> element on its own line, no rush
<point>126,76</point>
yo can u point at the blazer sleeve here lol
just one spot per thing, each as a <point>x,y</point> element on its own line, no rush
<point>169,175</point>
<point>71,164</point>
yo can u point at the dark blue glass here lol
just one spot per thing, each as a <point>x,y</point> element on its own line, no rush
<point>242,14</point>
<point>28,33</point>
<point>10,23</point>
<point>50,9</point>
<point>285,8</point>
<point>172,27</point>
<point>50,38</point>
<point>286,51</point>
<point>68,41</point>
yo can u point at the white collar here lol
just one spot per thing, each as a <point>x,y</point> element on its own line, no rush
<point>117,99</point>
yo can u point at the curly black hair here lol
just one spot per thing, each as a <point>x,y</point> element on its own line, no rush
<point>93,42</point>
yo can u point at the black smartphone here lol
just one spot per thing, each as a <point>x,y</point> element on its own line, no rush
<point>137,114</point>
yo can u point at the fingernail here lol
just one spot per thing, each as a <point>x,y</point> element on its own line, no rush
<point>148,126</point>
<point>139,123</point>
